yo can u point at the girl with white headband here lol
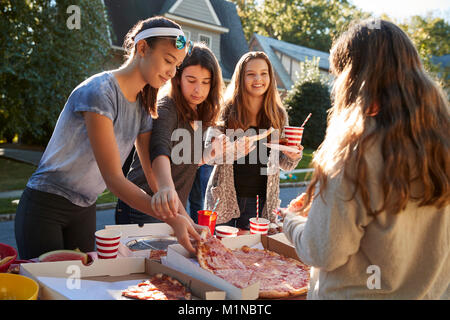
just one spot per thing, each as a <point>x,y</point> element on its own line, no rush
<point>101,120</point>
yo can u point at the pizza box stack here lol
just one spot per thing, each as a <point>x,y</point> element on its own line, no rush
<point>180,259</point>
<point>104,279</point>
<point>135,232</point>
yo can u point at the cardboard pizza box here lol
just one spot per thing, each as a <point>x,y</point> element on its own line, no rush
<point>132,233</point>
<point>105,279</point>
<point>180,259</point>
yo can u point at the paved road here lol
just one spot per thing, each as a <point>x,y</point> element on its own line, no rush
<point>106,217</point>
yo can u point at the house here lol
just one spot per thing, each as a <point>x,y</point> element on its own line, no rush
<point>215,22</point>
<point>286,58</point>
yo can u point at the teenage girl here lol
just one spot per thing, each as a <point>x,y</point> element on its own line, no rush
<point>252,104</point>
<point>102,119</point>
<point>378,202</point>
<point>191,106</point>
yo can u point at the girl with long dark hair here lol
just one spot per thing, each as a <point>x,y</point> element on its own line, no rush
<point>378,202</point>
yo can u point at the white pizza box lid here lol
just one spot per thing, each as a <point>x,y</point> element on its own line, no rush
<point>105,279</point>
<point>132,232</point>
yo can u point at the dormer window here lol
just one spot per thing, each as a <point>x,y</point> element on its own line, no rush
<point>205,39</point>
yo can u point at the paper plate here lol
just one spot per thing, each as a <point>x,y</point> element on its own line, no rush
<point>282,147</point>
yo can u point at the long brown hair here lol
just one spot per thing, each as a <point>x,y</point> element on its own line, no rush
<point>382,94</point>
<point>148,94</point>
<point>208,110</point>
<point>235,114</point>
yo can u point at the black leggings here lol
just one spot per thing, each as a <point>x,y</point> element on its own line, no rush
<point>45,222</point>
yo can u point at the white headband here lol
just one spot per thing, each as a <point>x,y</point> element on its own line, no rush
<point>158,32</point>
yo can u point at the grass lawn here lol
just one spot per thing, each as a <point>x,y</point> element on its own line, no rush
<point>14,175</point>
<point>303,164</point>
<point>8,206</point>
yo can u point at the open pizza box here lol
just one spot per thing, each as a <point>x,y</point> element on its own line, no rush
<point>180,259</point>
<point>105,279</point>
<point>132,244</point>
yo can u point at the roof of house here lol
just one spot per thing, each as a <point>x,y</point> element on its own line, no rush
<point>444,60</point>
<point>124,14</point>
<point>233,44</point>
<point>299,53</point>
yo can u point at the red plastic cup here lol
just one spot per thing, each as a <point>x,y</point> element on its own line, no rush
<point>107,242</point>
<point>294,135</point>
<point>226,232</point>
<point>259,225</point>
<point>207,218</point>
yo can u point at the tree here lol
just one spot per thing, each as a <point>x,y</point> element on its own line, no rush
<point>310,23</point>
<point>43,59</point>
<point>431,37</point>
<point>310,94</point>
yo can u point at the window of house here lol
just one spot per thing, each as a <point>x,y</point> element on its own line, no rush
<point>205,39</point>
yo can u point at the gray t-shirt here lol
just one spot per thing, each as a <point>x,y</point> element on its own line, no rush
<point>68,167</point>
<point>162,143</point>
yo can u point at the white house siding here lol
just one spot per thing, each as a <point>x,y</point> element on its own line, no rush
<point>286,61</point>
<point>295,70</point>
<point>215,38</point>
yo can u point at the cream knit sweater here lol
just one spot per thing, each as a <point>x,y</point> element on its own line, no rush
<point>357,256</point>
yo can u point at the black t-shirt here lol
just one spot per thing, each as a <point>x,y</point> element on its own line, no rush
<point>250,179</point>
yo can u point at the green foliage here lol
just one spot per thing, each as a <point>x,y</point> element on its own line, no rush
<point>310,94</point>
<point>42,61</point>
<point>313,24</point>
<point>431,37</point>
<point>316,23</point>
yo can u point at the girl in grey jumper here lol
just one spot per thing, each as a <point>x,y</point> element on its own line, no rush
<point>378,224</point>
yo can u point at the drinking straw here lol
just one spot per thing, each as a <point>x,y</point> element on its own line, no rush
<point>257,207</point>
<point>306,120</point>
<point>215,206</point>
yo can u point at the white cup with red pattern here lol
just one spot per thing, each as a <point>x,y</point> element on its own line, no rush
<point>259,225</point>
<point>226,232</point>
<point>107,242</point>
<point>293,135</point>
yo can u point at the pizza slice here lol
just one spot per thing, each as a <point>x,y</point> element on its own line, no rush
<point>158,287</point>
<point>212,255</point>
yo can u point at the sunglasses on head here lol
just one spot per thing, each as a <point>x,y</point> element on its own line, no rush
<point>181,42</point>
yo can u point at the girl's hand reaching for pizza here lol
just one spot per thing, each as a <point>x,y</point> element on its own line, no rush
<point>165,203</point>
<point>183,228</point>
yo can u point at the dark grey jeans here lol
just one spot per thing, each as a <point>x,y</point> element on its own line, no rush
<point>45,222</point>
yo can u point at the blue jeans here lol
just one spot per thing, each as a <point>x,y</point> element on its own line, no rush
<point>127,215</point>
<point>247,208</point>
<point>197,195</point>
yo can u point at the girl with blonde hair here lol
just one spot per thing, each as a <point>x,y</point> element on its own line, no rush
<point>252,104</point>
